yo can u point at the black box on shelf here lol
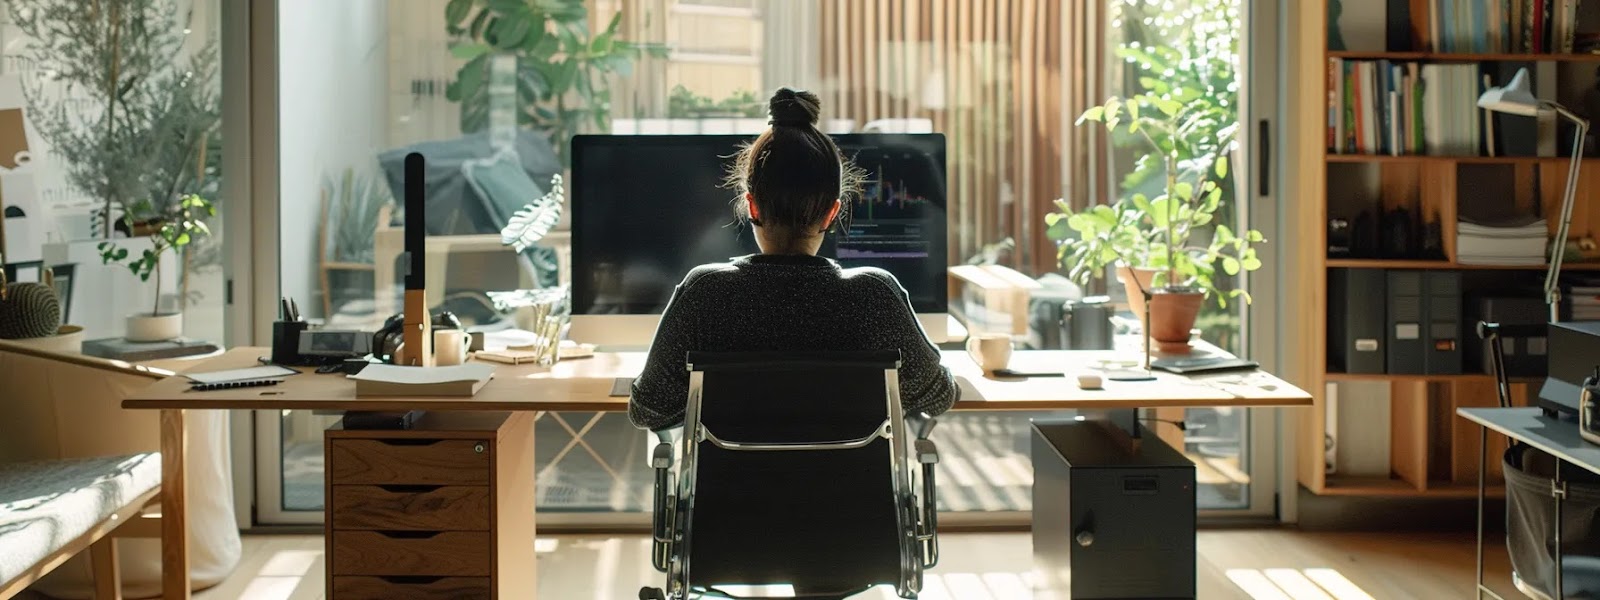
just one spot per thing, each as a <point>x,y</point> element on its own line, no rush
<point>1522,332</point>
<point>1405,321</point>
<point>1356,340</point>
<point>1443,314</point>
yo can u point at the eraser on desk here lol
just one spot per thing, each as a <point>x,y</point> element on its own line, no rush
<point>1089,381</point>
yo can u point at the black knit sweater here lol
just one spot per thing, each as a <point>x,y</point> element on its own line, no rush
<point>783,303</point>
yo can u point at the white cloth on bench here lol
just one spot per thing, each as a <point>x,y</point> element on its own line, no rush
<point>44,505</point>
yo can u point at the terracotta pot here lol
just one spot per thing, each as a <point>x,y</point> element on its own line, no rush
<point>1173,313</point>
<point>145,327</point>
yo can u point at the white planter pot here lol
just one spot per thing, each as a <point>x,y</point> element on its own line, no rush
<point>154,328</point>
<point>67,340</point>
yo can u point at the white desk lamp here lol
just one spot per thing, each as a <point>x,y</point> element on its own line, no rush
<point>1514,98</point>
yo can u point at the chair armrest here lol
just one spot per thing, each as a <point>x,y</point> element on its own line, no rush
<point>927,452</point>
<point>661,458</point>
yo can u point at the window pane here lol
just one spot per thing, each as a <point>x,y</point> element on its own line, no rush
<point>63,170</point>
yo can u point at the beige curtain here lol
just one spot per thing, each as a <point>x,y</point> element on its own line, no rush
<point>996,76</point>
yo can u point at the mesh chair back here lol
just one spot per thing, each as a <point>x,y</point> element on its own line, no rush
<point>824,519</point>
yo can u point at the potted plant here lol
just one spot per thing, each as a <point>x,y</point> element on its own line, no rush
<point>1171,245</point>
<point>559,71</point>
<point>174,228</point>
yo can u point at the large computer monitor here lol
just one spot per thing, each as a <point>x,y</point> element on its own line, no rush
<point>647,209</point>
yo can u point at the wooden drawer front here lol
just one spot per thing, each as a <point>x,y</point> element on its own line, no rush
<point>410,462</point>
<point>411,508</point>
<point>412,588</point>
<point>446,554</point>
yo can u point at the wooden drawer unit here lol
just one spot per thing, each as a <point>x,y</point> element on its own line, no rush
<point>440,511</point>
<point>412,588</point>
<point>410,461</point>
<point>411,508</point>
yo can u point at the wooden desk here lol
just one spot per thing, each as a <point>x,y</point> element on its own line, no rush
<point>584,385</point>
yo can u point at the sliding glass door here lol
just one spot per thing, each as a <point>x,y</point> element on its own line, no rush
<point>361,82</point>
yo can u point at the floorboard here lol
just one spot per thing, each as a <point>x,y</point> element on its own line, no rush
<point>1247,564</point>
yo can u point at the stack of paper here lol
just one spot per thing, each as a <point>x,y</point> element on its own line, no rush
<point>389,380</point>
<point>1585,303</point>
<point>1517,242</point>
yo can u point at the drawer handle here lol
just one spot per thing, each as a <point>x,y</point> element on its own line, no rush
<point>408,535</point>
<point>409,489</point>
<point>479,448</point>
<point>407,442</point>
<point>410,579</point>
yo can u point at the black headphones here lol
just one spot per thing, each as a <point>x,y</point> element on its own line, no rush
<point>388,339</point>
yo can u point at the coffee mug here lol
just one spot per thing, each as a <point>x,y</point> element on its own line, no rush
<point>450,347</point>
<point>992,351</point>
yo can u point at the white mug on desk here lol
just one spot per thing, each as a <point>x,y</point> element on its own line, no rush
<point>450,346</point>
<point>992,351</point>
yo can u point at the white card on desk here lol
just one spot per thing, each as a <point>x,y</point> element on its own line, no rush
<point>246,374</point>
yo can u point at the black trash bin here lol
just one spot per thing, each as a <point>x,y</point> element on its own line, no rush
<point>1530,525</point>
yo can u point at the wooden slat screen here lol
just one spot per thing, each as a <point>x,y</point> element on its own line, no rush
<point>993,77</point>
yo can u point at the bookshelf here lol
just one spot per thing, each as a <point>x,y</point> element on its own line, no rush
<point>1430,453</point>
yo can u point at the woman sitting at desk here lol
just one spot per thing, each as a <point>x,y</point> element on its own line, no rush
<point>791,181</point>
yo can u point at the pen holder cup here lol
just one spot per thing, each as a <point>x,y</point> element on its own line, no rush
<point>286,341</point>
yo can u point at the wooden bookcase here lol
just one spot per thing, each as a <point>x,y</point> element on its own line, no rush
<point>1431,452</point>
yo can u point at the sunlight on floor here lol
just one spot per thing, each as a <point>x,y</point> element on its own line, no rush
<point>1291,584</point>
<point>281,574</point>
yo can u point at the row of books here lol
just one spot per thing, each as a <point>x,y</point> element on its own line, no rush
<point>1400,108</point>
<point>1395,108</point>
<point>1494,26</point>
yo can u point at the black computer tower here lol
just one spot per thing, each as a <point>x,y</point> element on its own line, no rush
<point>1356,340</point>
<point>1443,343</point>
<point>1110,522</point>
<point>1407,323</point>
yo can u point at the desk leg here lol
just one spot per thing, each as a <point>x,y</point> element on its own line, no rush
<point>1483,464</point>
<point>174,515</point>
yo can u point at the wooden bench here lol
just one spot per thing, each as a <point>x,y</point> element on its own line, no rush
<point>53,510</point>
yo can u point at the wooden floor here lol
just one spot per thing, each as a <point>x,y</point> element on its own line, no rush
<point>1256,564</point>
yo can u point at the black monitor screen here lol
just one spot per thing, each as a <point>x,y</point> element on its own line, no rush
<point>646,209</point>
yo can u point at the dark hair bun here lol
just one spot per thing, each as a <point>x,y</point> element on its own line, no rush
<point>791,107</point>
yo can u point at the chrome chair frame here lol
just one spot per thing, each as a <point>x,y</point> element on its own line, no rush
<point>917,509</point>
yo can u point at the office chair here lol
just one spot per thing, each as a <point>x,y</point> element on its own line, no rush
<point>795,470</point>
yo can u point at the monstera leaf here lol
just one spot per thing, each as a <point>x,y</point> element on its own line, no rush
<point>535,220</point>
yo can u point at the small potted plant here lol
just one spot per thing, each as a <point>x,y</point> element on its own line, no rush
<point>1171,245</point>
<point>170,229</point>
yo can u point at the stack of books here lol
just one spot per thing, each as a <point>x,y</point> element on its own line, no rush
<point>1507,242</point>
<point>1585,303</point>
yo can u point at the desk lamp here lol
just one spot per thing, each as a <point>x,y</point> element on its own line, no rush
<point>1514,98</point>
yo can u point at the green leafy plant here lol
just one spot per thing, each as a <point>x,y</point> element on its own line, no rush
<point>358,200</point>
<point>173,229</point>
<point>1176,232</point>
<point>148,112</point>
<point>683,104</point>
<point>560,68</point>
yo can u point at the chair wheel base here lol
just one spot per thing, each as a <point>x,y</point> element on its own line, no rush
<point>649,593</point>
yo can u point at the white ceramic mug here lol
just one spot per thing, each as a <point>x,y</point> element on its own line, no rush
<point>450,346</point>
<point>992,351</point>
